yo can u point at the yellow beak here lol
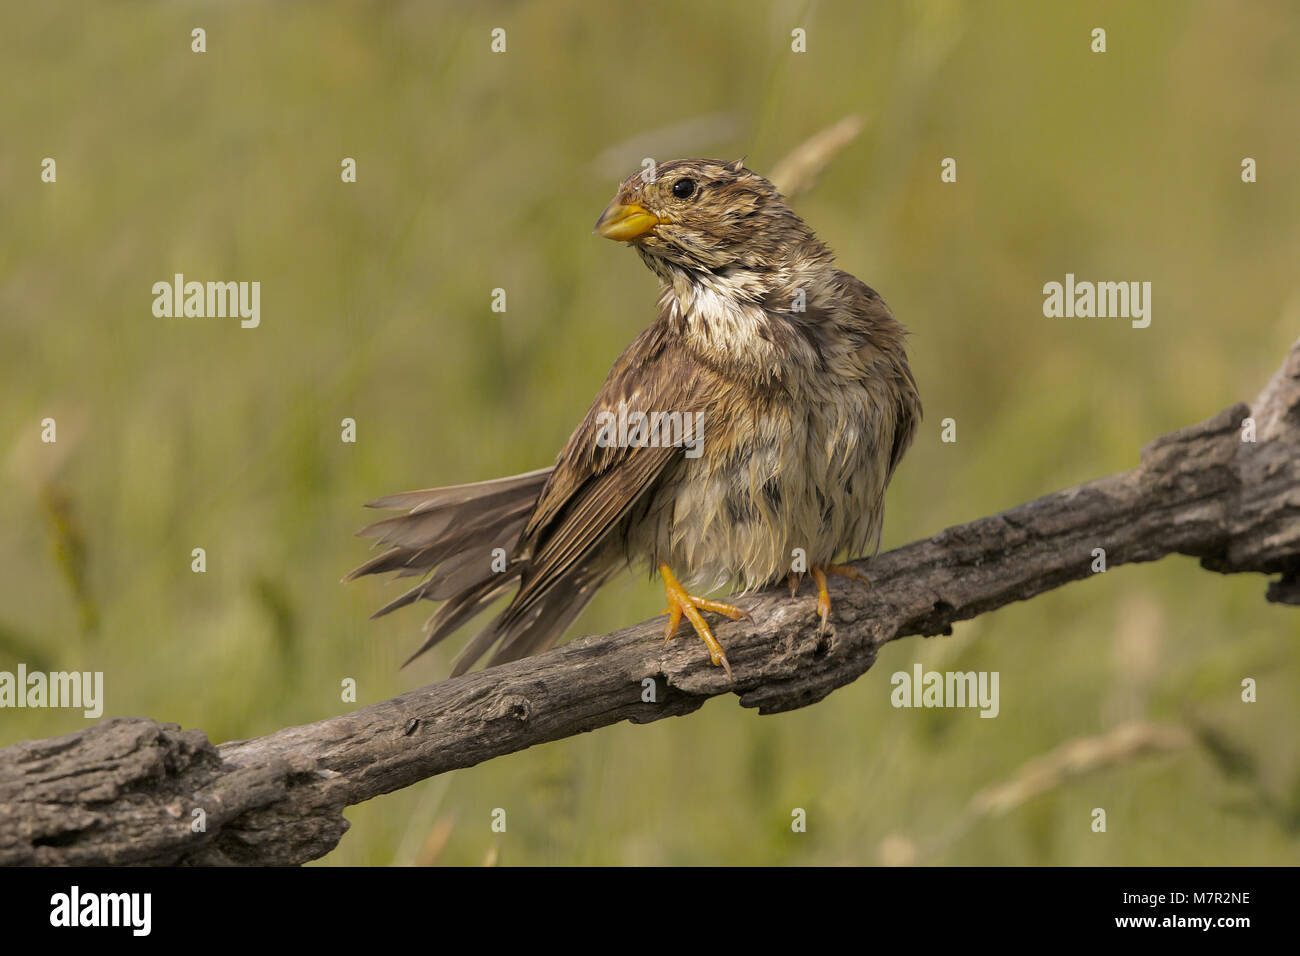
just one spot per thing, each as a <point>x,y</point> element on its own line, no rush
<point>625,223</point>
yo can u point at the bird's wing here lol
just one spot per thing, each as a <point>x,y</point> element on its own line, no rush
<point>884,339</point>
<point>907,418</point>
<point>595,485</point>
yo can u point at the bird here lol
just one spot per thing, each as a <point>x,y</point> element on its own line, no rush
<point>745,437</point>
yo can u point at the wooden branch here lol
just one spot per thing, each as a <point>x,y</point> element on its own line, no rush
<point>127,790</point>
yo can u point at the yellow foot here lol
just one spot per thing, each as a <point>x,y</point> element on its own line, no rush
<point>824,596</point>
<point>680,602</point>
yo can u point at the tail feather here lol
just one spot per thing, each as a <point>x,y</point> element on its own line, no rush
<point>528,485</point>
<point>447,537</point>
<point>469,603</point>
<point>553,616</point>
<point>460,572</point>
<point>449,522</point>
<point>536,630</point>
<point>457,547</point>
<point>454,576</point>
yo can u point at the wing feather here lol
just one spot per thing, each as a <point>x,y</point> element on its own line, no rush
<point>595,486</point>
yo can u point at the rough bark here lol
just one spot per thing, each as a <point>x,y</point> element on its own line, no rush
<point>125,791</point>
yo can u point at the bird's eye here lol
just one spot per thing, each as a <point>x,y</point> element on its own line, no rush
<point>684,188</point>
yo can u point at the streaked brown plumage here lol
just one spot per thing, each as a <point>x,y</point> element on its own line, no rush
<point>799,376</point>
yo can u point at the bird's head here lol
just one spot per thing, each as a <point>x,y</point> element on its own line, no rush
<point>705,215</point>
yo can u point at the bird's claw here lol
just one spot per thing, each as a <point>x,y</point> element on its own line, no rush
<point>682,603</point>
<point>824,596</point>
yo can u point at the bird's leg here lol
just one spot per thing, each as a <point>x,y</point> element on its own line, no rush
<point>681,602</point>
<point>704,604</point>
<point>794,579</point>
<point>847,571</point>
<point>823,595</point>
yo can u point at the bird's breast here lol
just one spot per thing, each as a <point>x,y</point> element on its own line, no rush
<point>778,480</point>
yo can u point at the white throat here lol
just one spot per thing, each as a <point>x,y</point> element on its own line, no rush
<point>724,315</point>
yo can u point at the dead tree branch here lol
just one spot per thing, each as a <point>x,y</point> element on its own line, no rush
<point>127,790</point>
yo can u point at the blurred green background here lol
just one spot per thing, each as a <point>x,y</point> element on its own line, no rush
<point>479,170</point>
